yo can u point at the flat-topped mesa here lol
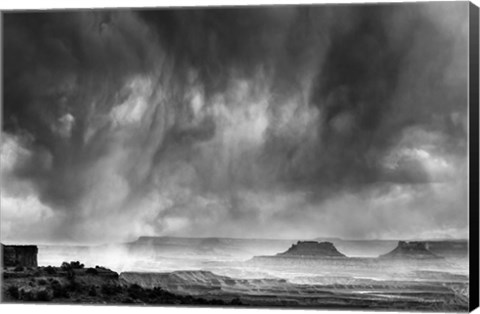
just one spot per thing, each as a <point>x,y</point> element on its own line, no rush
<point>411,249</point>
<point>312,249</point>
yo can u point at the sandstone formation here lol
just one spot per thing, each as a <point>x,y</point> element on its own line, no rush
<point>19,255</point>
<point>312,249</point>
<point>410,250</point>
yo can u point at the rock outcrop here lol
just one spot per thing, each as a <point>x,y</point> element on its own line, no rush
<point>19,255</point>
<point>449,248</point>
<point>73,283</point>
<point>410,250</point>
<point>312,249</point>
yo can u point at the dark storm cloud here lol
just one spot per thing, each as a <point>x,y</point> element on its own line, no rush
<point>234,120</point>
<point>65,63</point>
<point>357,89</point>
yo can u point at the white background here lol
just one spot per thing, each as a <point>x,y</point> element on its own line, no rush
<point>77,309</point>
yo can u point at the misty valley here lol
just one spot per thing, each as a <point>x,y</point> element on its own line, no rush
<point>331,273</point>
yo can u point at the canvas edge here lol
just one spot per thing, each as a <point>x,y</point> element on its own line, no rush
<point>474,192</point>
<point>474,156</point>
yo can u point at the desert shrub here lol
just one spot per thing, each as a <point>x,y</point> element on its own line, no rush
<point>69,268</point>
<point>42,282</point>
<point>135,287</point>
<point>71,275</point>
<point>43,296</point>
<point>65,266</point>
<point>127,300</point>
<point>236,301</point>
<point>76,265</point>
<point>188,299</point>
<point>136,292</point>
<point>13,292</point>
<point>92,292</point>
<point>74,286</point>
<point>91,271</point>
<point>26,295</point>
<point>59,291</point>
<point>72,265</point>
<point>50,270</point>
<point>151,294</point>
<point>18,268</point>
<point>214,302</point>
<point>109,289</point>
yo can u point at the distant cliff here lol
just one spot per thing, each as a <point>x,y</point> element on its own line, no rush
<point>411,250</point>
<point>312,249</point>
<point>449,248</point>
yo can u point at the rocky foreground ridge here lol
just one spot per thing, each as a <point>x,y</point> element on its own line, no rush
<point>73,283</point>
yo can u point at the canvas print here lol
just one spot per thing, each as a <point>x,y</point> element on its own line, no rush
<point>300,156</point>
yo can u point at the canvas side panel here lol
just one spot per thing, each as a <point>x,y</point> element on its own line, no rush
<point>474,169</point>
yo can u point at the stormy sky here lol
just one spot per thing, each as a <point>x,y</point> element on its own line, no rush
<point>275,122</point>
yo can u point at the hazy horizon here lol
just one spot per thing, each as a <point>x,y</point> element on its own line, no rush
<point>318,239</point>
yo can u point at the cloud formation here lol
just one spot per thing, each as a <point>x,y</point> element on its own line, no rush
<point>294,121</point>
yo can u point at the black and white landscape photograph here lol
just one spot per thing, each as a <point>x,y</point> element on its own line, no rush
<point>273,156</point>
